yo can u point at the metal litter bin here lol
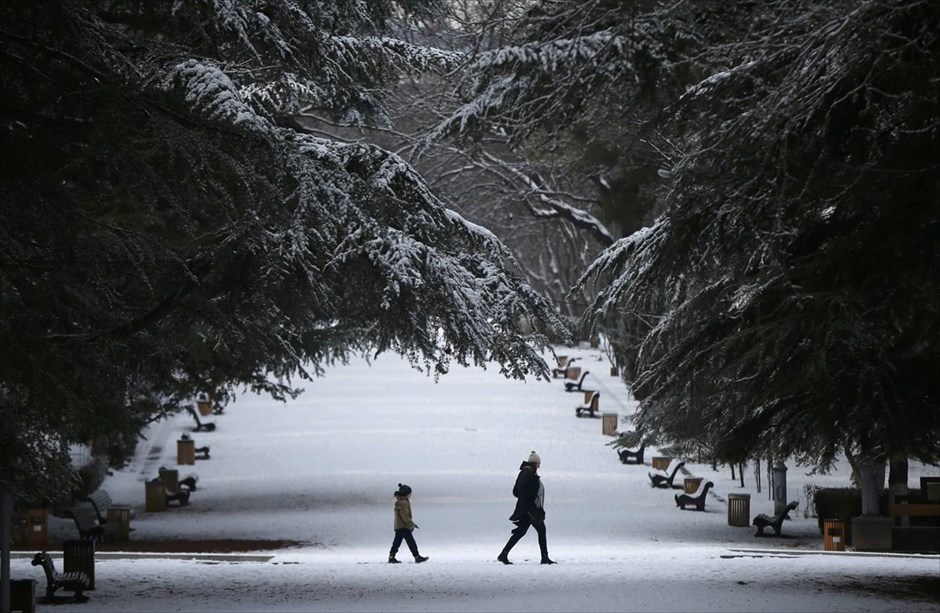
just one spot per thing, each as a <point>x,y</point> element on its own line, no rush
<point>23,595</point>
<point>171,479</point>
<point>80,556</point>
<point>156,495</point>
<point>834,535</point>
<point>609,424</point>
<point>690,485</point>
<point>37,528</point>
<point>739,510</point>
<point>121,516</point>
<point>661,462</point>
<point>185,450</point>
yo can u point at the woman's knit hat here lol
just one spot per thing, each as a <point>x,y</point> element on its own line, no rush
<point>403,490</point>
<point>534,458</point>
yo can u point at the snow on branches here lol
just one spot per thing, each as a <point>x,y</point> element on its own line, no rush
<point>174,233</point>
<point>210,92</point>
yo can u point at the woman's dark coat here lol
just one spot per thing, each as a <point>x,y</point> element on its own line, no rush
<point>525,490</point>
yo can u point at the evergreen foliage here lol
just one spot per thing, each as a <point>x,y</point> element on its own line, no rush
<point>166,229</point>
<point>787,301</point>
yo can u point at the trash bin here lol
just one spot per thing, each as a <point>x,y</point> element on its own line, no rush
<point>170,478</point>
<point>80,556</point>
<point>739,510</point>
<point>121,516</point>
<point>37,528</point>
<point>205,407</point>
<point>834,535</point>
<point>661,462</point>
<point>690,485</point>
<point>23,595</point>
<point>573,372</point>
<point>185,450</point>
<point>155,495</point>
<point>609,424</point>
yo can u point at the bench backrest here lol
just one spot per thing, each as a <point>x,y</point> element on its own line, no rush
<point>791,506</point>
<point>193,412</point>
<point>674,466</point>
<point>85,517</point>
<point>702,489</point>
<point>101,501</point>
<point>595,398</point>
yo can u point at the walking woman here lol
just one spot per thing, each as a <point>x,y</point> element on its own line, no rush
<point>530,508</point>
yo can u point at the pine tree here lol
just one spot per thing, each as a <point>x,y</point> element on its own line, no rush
<point>166,227</point>
<point>786,301</point>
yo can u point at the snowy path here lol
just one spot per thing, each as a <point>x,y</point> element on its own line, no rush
<point>322,469</point>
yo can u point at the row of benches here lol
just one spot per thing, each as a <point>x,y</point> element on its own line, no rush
<point>665,479</point>
<point>95,521</point>
<point>92,515</point>
<point>591,405</point>
<point>98,519</point>
<point>658,477</point>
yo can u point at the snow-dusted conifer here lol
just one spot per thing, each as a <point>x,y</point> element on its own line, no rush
<point>166,228</point>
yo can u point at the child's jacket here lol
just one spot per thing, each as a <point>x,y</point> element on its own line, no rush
<point>403,514</point>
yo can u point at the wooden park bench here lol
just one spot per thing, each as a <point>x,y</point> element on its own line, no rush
<point>207,407</point>
<point>108,513</point>
<point>636,455</point>
<point>74,581</point>
<point>169,481</point>
<point>101,501</point>
<point>927,505</point>
<point>591,407</point>
<point>181,498</point>
<point>776,522</point>
<point>562,371</point>
<point>189,482</point>
<point>664,478</point>
<point>89,528</point>
<point>198,453</point>
<point>200,426</point>
<point>921,530</point>
<point>697,498</point>
<point>571,386</point>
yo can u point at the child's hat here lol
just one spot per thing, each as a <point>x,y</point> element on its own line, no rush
<point>403,490</point>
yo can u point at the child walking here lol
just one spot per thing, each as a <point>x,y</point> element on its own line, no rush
<point>404,526</point>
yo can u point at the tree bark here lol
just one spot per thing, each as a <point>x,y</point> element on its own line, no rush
<point>897,483</point>
<point>873,483</point>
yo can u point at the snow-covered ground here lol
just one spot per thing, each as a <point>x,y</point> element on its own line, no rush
<point>321,470</point>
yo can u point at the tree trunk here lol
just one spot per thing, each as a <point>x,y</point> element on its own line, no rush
<point>897,483</point>
<point>873,483</point>
<point>770,478</point>
<point>853,463</point>
<point>757,473</point>
<point>6,519</point>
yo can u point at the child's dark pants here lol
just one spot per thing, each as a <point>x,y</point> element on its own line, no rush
<point>404,534</point>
